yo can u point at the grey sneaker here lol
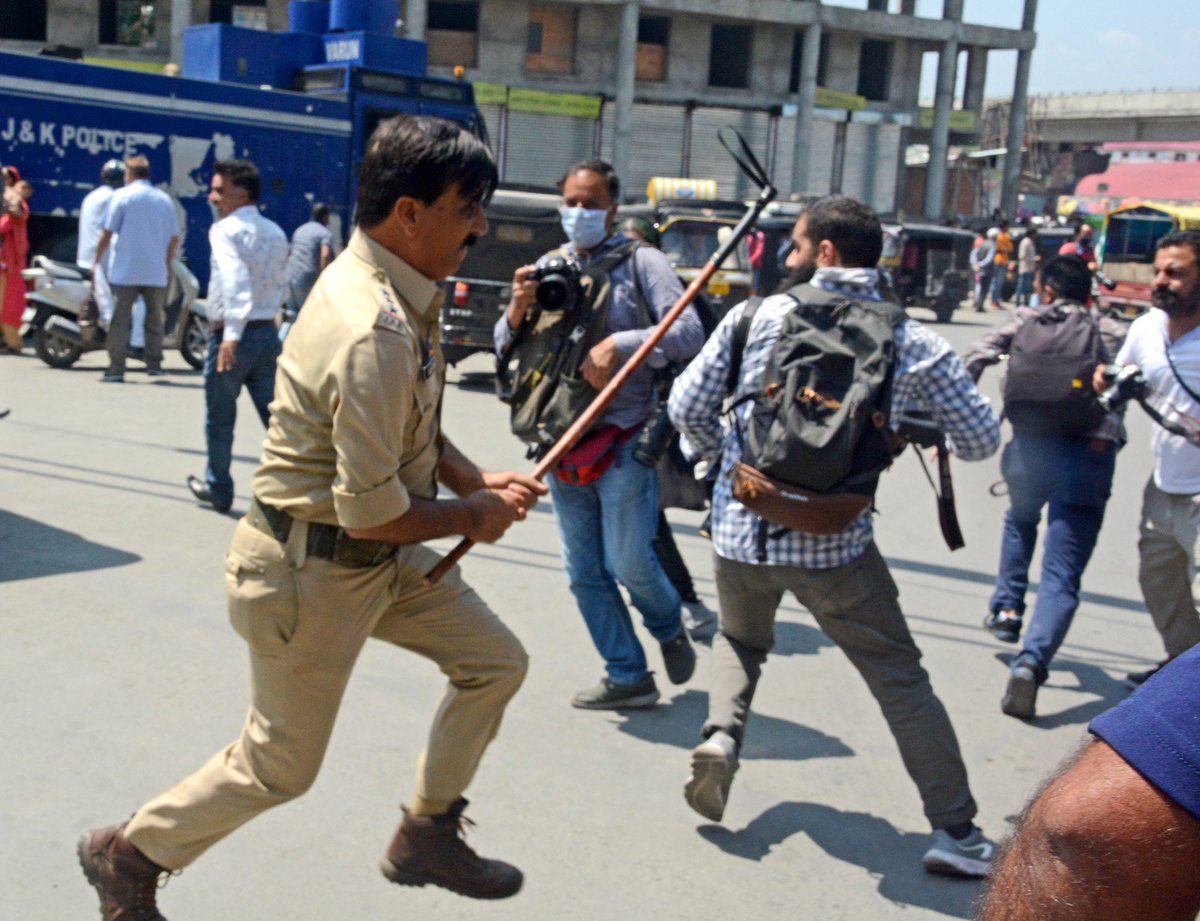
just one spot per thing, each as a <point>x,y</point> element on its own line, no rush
<point>714,762</point>
<point>1020,697</point>
<point>970,856</point>
<point>609,696</point>
<point>679,657</point>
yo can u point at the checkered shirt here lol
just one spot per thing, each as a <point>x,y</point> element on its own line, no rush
<point>929,377</point>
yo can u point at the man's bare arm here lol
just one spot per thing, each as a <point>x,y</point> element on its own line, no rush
<point>1100,843</point>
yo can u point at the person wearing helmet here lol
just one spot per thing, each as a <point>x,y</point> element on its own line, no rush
<point>91,217</point>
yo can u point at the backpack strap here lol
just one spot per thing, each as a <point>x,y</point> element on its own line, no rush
<point>741,335</point>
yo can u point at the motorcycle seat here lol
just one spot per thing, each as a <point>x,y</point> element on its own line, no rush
<point>65,270</point>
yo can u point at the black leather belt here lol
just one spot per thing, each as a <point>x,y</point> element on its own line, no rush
<point>325,541</point>
<point>219,327</point>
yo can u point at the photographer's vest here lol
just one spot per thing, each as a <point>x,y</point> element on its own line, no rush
<point>548,393</point>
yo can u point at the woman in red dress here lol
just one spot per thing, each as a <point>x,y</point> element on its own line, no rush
<point>14,248</point>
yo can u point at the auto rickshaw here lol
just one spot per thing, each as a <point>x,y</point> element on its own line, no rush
<point>691,224</point>
<point>934,268</point>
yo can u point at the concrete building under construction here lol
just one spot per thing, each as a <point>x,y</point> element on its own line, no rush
<point>826,95</point>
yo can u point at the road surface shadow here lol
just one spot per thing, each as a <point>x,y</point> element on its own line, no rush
<point>989,578</point>
<point>793,639</point>
<point>1103,690</point>
<point>891,856</point>
<point>768,737</point>
<point>30,549</point>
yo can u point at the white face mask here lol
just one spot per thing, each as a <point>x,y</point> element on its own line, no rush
<point>585,227</point>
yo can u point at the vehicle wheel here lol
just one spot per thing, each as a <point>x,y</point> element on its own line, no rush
<point>55,350</point>
<point>194,344</point>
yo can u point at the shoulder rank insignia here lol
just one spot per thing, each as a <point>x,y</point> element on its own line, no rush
<point>391,314</point>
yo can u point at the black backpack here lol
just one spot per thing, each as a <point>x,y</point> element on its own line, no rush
<point>1048,386</point>
<point>819,422</point>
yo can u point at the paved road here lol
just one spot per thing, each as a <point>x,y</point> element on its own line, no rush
<point>120,674</point>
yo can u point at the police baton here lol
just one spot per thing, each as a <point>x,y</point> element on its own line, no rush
<point>600,403</point>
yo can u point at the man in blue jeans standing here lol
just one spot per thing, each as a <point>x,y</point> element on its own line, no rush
<point>247,286</point>
<point>607,523</point>
<point>1072,476</point>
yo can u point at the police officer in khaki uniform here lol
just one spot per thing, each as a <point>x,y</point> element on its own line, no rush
<point>330,552</point>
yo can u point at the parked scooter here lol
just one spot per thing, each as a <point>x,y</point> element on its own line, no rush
<point>60,290</point>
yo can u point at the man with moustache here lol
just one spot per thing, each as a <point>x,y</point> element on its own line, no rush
<point>1164,344</point>
<point>332,550</point>
<point>842,579</point>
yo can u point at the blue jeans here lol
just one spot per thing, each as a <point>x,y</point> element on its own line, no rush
<point>1024,289</point>
<point>998,276</point>
<point>606,529</point>
<point>254,369</point>
<point>1074,479</point>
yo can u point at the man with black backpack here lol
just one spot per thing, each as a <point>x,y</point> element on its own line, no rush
<point>822,374</point>
<point>1062,455</point>
<point>605,503</point>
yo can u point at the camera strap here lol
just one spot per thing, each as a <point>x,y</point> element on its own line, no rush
<point>947,512</point>
<point>1170,361</point>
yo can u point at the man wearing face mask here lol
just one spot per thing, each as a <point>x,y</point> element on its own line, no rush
<point>607,523</point>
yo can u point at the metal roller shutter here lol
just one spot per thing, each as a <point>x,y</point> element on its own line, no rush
<point>657,144</point>
<point>820,163</point>
<point>541,147</point>
<point>491,118</point>
<point>711,161</point>
<point>785,150</point>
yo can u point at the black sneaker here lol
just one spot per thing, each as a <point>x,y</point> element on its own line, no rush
<point>1004,625</point>
<point>1135,680</point>
<point>1020,697</point>
<point>679,658</point>
<point>610,696</point>
<point>112,377</point>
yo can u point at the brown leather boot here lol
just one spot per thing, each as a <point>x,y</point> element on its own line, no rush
<point>126,880</point>
<point>431,849</point>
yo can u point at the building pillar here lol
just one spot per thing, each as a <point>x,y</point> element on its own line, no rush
<point>977,62</point>
<point>416,15</point>
<point>1016,119</point>
<point>806,98</point>
<point>181,18</point>
<point>939,141</point>
<point>623,110</point>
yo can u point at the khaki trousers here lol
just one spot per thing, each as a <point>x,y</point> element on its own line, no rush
<point>305,621</point>
<point>857,607</point>
<point>1168,557</point>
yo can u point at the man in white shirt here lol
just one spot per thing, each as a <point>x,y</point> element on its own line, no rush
<point>91,226</point>
<point>247,285</point>
<point>1165,345</point>
<point>140,225</point>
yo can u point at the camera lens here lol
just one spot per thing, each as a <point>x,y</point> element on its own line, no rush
<point>553,292</point>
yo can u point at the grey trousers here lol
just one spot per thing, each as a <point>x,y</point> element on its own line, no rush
<point>1168,551</point>
<point>856,606</point>
<point>118,328</point>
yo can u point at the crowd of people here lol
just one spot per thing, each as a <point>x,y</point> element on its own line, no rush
<point>356,477</point>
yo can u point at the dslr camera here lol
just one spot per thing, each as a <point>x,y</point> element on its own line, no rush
<point>1125,384</point>
<point>558,283</point>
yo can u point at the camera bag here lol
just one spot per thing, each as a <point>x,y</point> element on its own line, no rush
<point>547,392</point>
<point>817,436</point>
<point>1048,385</point>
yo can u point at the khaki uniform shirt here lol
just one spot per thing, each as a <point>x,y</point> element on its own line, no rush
<point>354,430</point>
